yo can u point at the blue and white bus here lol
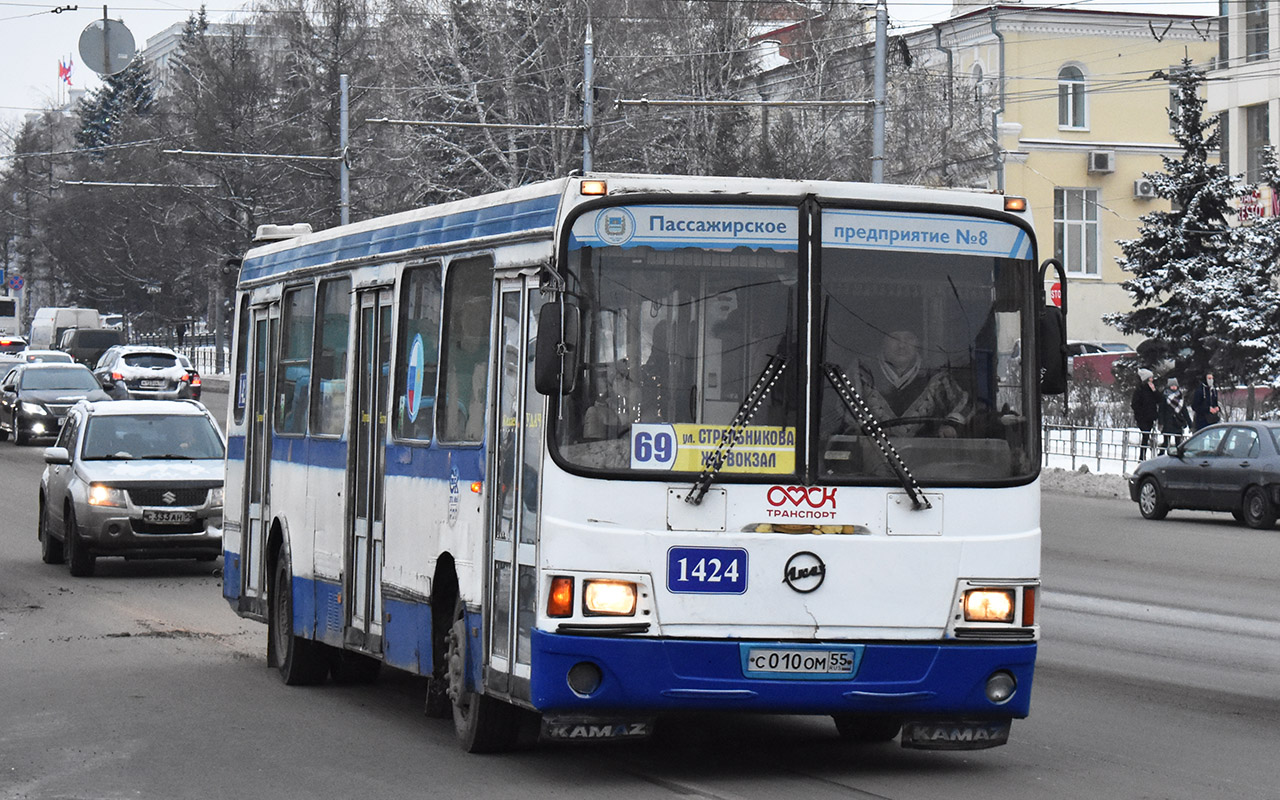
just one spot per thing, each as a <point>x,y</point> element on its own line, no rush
<point>602,448</point>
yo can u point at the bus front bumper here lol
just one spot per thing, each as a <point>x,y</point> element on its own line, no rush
<point>665,675</point>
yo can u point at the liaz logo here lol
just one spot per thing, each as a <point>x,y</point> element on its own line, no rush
<point>804,572</point>
<point>615,226</point>
<point>801,504</point>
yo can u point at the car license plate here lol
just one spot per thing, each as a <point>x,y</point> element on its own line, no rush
<point>815,662</point>
<point>161,517</point>
<point>149,384</point>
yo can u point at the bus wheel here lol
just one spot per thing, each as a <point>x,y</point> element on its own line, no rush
<point>301,662</point>
<point>860,728</point>
<point>350,668</point>
<point>1258,511</point>
<point>484,724</point>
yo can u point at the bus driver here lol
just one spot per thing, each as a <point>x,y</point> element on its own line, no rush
<point>898,386</point>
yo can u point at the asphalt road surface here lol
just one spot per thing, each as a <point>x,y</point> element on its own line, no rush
<point>1159,677</point>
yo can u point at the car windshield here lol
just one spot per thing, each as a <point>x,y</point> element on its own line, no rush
<point>151,360</point>
<point>151,436</point>
<point>71,378</point>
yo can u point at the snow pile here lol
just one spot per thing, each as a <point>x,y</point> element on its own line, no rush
<point>1084,482</point>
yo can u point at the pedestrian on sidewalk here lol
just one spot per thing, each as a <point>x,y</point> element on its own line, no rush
<point>1146,405</point>
<point>1174,416</point>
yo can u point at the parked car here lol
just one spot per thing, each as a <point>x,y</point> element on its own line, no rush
<point>1231,466</point>
<point>137,479</point>
<point>35,398</point>
<point>142,372</point>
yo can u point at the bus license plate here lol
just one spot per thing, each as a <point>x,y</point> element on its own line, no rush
<point>168,517</point>
<point>811,663</point>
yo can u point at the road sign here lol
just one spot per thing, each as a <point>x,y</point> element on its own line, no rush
<point>106,46</point>
<point>1055,294</point>
<point>16,283</point>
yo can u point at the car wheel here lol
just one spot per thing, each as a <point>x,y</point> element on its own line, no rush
<point>1151,500</point>
<point>483,724</point>
<point>50,548</point>
<point>1258,510</point>
<point>862,728</point>
<point>301,662</point>
<point>79,559</point>
<point>20,438</point>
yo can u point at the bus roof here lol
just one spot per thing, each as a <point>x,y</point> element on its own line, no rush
<point>536,209</point>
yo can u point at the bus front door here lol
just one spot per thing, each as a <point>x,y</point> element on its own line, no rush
<point>517,455</point>
<point>366,468</point>
<point>265,322</point>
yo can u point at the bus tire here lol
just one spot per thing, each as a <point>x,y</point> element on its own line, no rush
<point>864,728</point>
<point>50,548</point>
<point>1151,502</point>
<point>1259,513</point>
<point>301,662</point>
<point>351,668</point>
<point>483,724</point>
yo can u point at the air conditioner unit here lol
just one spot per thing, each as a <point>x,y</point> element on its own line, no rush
<point>1144,189</point>
<point>1102,161</point>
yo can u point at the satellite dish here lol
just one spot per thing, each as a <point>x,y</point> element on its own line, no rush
<point>106,46</point>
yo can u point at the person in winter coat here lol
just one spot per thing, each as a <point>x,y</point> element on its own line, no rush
<point>1174,416</point>
<point>1146,409</point>
<point>1205,402</point>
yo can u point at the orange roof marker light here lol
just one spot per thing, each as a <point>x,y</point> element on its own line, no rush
<point>1015,204</point>
<point>593,187</point>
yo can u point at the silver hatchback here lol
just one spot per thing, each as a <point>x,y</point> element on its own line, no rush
<point>132,478</point>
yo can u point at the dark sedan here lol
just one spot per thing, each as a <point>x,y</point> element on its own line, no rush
<point>1232,466</point>
<point>34,398</point>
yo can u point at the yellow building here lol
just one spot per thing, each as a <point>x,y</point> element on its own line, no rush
<point>1078,105</point>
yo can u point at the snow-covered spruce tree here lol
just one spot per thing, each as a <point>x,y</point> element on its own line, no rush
<point>1182,274</point>
<point>1249,296</point>
<point>107,109</point>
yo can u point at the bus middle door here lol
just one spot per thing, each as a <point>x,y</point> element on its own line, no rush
<point>367,468</point>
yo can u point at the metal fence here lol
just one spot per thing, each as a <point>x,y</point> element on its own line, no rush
<point>1112,450</point>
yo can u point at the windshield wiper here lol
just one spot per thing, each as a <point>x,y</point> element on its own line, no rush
<point>746,411</point>
<point>861,412</point>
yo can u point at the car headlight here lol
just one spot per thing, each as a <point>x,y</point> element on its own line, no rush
<point>609,597</point>
<point>100,495</point>
<point>33,408</point>
<point>215,496</point>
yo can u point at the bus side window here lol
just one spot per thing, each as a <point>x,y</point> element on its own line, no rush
<point>293,371</point>
<point>333,325</point>
<point>418,351</point>
<point>468,310</point>
<point>240,386</point>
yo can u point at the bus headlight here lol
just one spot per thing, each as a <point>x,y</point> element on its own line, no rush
<point>989,605</point>
<point>216,496</point>
<point>100,495</point>
<point>614,598</point>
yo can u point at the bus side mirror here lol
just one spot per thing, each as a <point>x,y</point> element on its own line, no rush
<point>1053,351</point>
<point>558,360</point>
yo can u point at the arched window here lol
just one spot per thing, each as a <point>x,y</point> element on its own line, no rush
<point>1071,107</point>
<point>979,88</point>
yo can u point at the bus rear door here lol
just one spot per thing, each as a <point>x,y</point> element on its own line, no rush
<point>265,323</point>
<point>367,468</point>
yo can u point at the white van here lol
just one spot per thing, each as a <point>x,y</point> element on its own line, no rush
<point>48,325</point>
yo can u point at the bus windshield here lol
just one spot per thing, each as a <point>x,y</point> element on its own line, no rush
<point>913,339</point>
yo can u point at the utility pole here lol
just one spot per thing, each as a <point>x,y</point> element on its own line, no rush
<point>344,176</point>
<point>588,97</point>
<point>877,111</point>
